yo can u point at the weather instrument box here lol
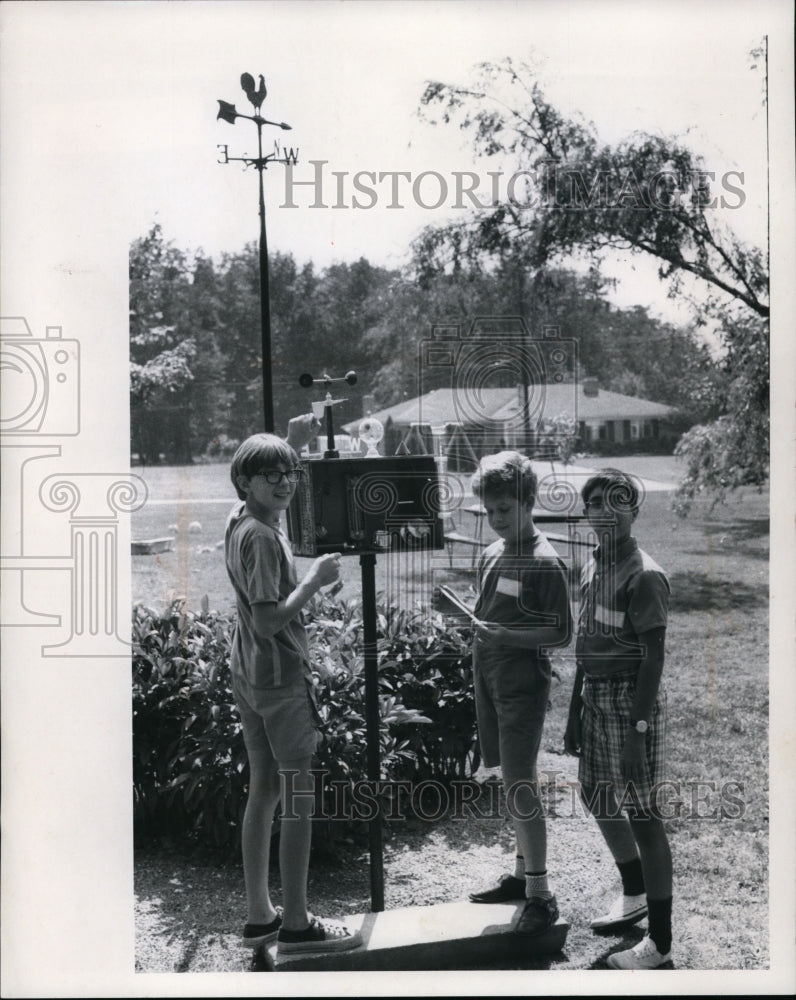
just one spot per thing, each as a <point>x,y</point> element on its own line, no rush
<point>354,505</point>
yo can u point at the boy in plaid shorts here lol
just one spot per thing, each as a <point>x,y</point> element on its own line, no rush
<point>617,714</point>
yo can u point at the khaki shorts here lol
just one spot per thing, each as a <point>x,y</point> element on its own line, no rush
<point>284,720</point>
<point>510,706</point>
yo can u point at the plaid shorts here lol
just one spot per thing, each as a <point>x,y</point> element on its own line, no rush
<point>607,703</point>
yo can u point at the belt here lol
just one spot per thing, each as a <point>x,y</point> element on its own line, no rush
<point>618,675</point>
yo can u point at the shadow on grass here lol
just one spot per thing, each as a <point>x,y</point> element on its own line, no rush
<point>740,529</point>
<point>701,592</point>
<point>630,938</point>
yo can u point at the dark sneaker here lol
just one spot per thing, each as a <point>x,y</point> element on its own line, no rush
<point>537,917</point>
<point>255,935</point>
<point>318,937</point>
<point>508,890</point>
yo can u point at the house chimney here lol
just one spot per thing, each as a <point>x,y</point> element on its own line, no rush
<point>590,387</point>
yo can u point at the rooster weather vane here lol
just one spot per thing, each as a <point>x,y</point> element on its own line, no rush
<point>255,96</point>
<point>228,112</point>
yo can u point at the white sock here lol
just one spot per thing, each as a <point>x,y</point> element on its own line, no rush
<point>536,885</point>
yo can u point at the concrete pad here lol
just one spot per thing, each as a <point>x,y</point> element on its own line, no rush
<point>444,936</point>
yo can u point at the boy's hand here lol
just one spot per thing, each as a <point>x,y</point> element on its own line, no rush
<point>325,569</point>
<point>634,757</point>
<point>301,430</point>
<point>489,634</point>
<point>573,734</point>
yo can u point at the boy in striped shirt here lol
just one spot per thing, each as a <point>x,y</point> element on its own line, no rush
<point>617,714</point>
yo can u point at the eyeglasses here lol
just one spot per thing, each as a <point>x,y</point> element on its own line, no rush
<point>600,503</point>
<point>274,476</point>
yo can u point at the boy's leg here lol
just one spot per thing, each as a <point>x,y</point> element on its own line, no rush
<point>656,856</point>
<point>510,887</point>
<point>295,837</point>
<point>601,746</point>
<point>617,833</point>
<point>302,932</point>
<point>530,827</point>
<point>602,804</point>
<point>656,861</point>
<point>521,705</point>
<point>654,950</point>
<point>258,818</point>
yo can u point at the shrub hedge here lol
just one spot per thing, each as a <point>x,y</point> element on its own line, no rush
<point>190,771</point>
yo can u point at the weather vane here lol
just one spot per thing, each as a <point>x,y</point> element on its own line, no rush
<point>228,113</point>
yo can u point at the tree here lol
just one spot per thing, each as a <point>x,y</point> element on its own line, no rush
<point>627,350</point>
<point>195,347</point>
<point>647,195</point>
<point>175,385</point>
<point>160,358</point>
<point>733,450</point>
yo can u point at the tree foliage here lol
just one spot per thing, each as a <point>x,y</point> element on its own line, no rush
<point>733,450</point>
<point>648,195</point>
<point>196,367</point>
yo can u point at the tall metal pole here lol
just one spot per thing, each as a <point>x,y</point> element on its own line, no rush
<point>228,113</point>
<point>367,562</point>
<point>265,299</point>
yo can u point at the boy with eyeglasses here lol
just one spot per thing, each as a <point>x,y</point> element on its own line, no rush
<point>617,715</point>
<point>272,686</point>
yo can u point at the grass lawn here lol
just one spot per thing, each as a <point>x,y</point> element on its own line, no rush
<point>717,682</point>
<point>190,504</point>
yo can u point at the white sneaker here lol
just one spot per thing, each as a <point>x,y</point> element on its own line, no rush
<point>644,956</point>
<point>625,910</point>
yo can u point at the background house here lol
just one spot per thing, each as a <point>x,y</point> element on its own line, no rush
<point>538,420</point>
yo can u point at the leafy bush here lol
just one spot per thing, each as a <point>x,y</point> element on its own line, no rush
<point>188,756</point>
<point>190,771</point>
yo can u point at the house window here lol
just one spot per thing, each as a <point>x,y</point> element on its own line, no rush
<point>634,430</point>
<point>647,429</point>
<point>602,432</point>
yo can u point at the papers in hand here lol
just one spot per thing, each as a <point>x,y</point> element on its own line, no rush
<point>460,607</point>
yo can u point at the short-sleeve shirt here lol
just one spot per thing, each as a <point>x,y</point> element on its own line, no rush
<point>261,568</point>
<point>624,593</point>
<point>522,591</point>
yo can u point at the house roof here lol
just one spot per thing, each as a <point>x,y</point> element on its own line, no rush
<point>487,405</point>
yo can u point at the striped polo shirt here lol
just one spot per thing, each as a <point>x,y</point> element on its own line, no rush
<point>261,568</point>
<point>624,593</point>
<point>525,589</point>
